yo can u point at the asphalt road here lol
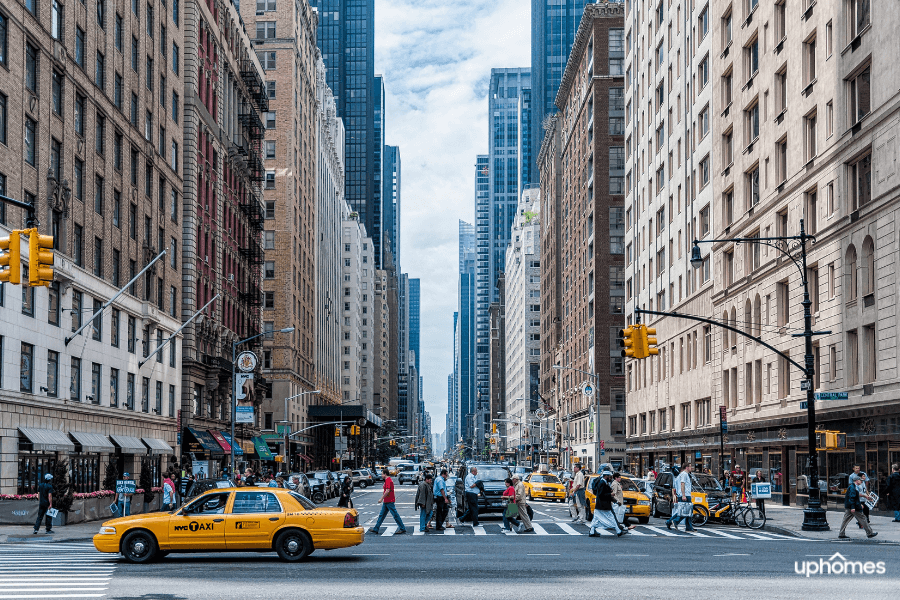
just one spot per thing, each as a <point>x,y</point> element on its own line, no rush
<point>558,563</point>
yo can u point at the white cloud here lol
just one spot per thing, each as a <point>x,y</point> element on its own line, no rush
<point>436,60</point>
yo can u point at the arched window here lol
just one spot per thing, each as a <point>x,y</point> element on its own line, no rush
<point>850,273</point>
<point>757,316</point>
<point>868,266</point>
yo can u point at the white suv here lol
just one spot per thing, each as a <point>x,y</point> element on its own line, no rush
<point>411,474</point>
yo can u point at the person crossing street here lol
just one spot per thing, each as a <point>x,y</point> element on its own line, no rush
<point>853,510</point>
<point>387,506</point>
<point>425,502</point>
<point>603,513</point>
<point>578,492</point>
<point>619,498</point>
<point>682,505</point>
<point>45,503</point>
<point>441,501</point>
<point>525,527</point>
<point>471,488</point>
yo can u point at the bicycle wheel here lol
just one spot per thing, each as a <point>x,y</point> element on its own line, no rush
<point>740,516</point>
<point>700,516</point>
<point>754,519</point>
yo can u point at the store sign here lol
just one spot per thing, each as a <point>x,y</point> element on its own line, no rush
<point>244,414</point>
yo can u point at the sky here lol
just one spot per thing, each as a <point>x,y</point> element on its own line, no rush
<point>436,59</point>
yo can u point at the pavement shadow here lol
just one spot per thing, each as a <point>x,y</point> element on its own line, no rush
<point>199,560</point>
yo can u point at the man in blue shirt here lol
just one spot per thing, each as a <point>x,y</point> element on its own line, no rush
<point>45,503</point>
<point>471,489</point>
<point>441,501</point>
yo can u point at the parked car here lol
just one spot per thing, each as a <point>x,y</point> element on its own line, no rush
<point>493,478</point>
<point>303,488</point>
<point>321,486</point>
<point>363,478</point>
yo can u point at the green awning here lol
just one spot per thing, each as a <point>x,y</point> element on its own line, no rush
<point>262,449</point>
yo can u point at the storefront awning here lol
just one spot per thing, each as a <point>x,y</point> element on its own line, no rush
<point>47,440</point>
<point>204,442</point>
<point>306,457</point>
<point>158,447</point>
<point>248,447</point>
<point>129,444</point>
<point>262,449</point>
<point>224,440</point>
<point>92,442</point>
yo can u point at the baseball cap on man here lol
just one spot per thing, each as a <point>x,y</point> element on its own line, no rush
<point>48,476</point>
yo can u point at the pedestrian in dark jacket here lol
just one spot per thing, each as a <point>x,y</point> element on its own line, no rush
<point>853,510</point>
<point>45,503</point>
<point>603,513</point>
<point>346,490</point>
<point>893,492</point>
<point>425,501</point>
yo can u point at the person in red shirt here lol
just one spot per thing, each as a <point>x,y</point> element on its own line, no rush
<point>387,505</point>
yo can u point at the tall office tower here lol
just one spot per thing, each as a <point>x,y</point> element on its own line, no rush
<point>497,390</point>
<point>391,199</point>
<point>671,105</point>
<point>107,183</point>
<point>346,37</point>
<point>403,383</point>
<point>589,250</point>
<point>300,172</point>
<point>223,213</point>
<point>378,170</point>
<point>414,319</point>
<point>553,27</point>
<point>453,389</point>
<point>465,352</point>
<point>356,308</point>
<point>509,104</point>
<point>523,321</point>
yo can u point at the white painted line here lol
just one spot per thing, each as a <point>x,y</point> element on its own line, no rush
<point>723,534</point>
<point>417,531</point>
<point>759,536</point>
<point>730,554</point>
<point>360,554</point>
<point>43,596</point>
<point>543,555</point>
<point>450,531</point>
<point>539,530</point>
<point>632,555</point>
<point>459,555</point>
<point>568,529</point>
<point>697,534</point>
<point>479,530</point>
<point>390,529</point>
<point>660,530</point>
<point>635,531</point>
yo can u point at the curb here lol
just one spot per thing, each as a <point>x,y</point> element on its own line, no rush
<point>782,531</point>
<point>42,540</point>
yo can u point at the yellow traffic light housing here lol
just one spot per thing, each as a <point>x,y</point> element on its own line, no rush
<point>40,258</point>
<point>337,432</point>
<point>493,428</point>
<point>639,341</point>
<point>649,343</point>
<point>627,341</point>
<point>11,260</point>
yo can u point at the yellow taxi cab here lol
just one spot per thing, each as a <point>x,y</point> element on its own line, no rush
<point>234,519</point>
<point>544,485</point>
<point>637,504</point>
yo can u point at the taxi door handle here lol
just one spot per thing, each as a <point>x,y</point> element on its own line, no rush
<point>274,518</point>
<point>218,520</point>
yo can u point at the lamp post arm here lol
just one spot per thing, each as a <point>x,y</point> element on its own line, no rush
<point>171,337</point>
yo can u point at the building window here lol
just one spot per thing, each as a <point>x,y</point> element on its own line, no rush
<point>96,372</point>
<point>100,71</point>
<point>858,15</point>
<point>751,58</point>
<point>781,151</point>
<point>145,394</point>
<point>270,269</point>
<point>809,60</point>
<point>860,95</point>
<point>31,67</point>
<point>129,392</point>
<point>265,30</point>
<point>267,60</point>
<point>26,369</point>
<point>751,179</point>
<point>75,383</point>
<point>704,171</point>
<point>176,58</point>
<point>114,388</point>
<point>751,122</point>
<point>4,40</point>
<point>30,140</point>
<point>703,72</point>
<point>860,182</point>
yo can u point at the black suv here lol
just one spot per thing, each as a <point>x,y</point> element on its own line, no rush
<point>661,492</point>
<point>493,477</point>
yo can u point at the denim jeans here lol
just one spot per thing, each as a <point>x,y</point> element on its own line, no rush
<point>471,508</point>
<point>508,520</point>
<point>389,507</point>
<point>424,518</point>
<point>42,514</point>
<point>125,508</point>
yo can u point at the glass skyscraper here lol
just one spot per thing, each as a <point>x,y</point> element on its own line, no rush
<point>464,338</point>
<point>553,27</point>
<point>390,184</point>
<point>346,38</point>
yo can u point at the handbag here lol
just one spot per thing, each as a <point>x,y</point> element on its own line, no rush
<point>512,510</point>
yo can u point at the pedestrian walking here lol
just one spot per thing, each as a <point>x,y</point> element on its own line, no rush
<point>168,489</point>
<point>249,479</point>
<point>387,505</point>
<point>125,499</point>
<point>346,492</point>
<point>471,488</point>
<point>45,503</point>
<point>512,509</point>
<point>603,506</point>
<point>425,502</point>
<point>578,492</point>
<point>893,491</point>
<point>760,503</point>
<point>853,510</point>
<point>736,481</point>
<point>862,485</point>
<point>682,506</point>
<point>522,505</point>
<point>441,501</point>
<point>570,501</point>
<point>619,499</point>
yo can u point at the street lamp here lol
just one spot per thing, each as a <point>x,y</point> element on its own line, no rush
<point>287,420</point>
<point>234,346</point>
<point>814,517</point>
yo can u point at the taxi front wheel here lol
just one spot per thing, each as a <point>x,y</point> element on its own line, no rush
<point>293,545</point>
<point>139,547</point>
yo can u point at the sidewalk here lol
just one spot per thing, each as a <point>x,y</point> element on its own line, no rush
<point>82,532</point>
<point>789,519</point>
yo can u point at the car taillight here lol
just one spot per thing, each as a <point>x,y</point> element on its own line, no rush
<point>350,520</point>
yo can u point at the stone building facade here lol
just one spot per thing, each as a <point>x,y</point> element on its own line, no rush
<point>358,342</point>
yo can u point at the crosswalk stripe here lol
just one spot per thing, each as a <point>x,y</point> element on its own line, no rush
<point>479,530</point>
<point>539,530</point>
<point>450,531</point>
<point>660,530</point>
<point>758,536</point>
<point>389,530</point>
<point>568,529</point>
<point>637,532</point>
<point>697,534</point>
<point>54,571</point>
<point>723,534</point>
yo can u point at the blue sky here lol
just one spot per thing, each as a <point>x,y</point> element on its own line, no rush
<point>436,59</point>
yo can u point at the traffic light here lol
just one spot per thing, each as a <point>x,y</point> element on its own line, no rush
<point>626,339</point>
<point>354,430</point>
<point>648,343</point>
<point>337,432</point>
<point>493,428</point>
<point>10,261</point>
<point>40,258</point>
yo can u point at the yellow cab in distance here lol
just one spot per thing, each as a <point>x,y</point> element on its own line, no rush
<point>637,504</point>
<point>544,485</point>
<point>234,519</point>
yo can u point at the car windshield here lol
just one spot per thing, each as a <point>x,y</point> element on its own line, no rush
<point>707,482</point>
<point>305,502</point>
<point>544,479</point>
<point>492,474</point>
<point>628,485</point>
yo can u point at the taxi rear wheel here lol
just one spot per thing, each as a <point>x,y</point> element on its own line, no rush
<point>139,547</point>
<point>293,545</point>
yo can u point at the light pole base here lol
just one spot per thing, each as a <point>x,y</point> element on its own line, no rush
<point>814,519</point>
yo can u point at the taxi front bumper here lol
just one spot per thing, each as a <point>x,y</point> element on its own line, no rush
<point>548,494</point>
<point>106,542</point>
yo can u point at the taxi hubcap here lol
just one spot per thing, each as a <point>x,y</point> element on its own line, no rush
<point>138,547</point>
<point>292,546</point>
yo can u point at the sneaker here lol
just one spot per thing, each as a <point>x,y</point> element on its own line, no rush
<point>873,534</point>
<point>400,532</point>
<point>842,537</point>
<point>373,530</point>
<point>531,529</point>
<point>35,532</point>
<point>520,528</point>
<point>50,531</point>
<point>669,525</point>
<point>896,521</point>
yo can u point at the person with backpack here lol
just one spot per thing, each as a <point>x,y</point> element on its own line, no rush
<point>603,508</point>
<point>45,503</point>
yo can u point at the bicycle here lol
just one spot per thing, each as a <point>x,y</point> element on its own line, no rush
<point>741,514</point>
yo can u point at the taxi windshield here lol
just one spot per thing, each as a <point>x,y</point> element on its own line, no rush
<point>628,485</point>
<point>707,482</point>
<point>544,479</point>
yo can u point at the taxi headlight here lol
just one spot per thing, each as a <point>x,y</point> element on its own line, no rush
<point>644,502</point>
<point>106,530</point>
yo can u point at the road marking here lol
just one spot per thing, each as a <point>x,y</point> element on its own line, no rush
<point>635,531</point>
<point>632,555</point>
<point>360,554</point>
<point>660,531</point>
<point>451,531</point>
<point>459,555</point>
<point>759,536</point>
<point>568,529</point>
<point>723,534</point>
<point>539,530</point>
<point>543,555</point>
<point>697,534</point>
<point>390,529</point>
<point>730,554</point>
<point>479,530</point>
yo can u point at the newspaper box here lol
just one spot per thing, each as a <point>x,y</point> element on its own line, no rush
<point>761,490</point>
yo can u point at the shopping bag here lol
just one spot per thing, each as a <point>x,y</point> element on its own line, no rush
<point>52,512</point>
<point>512,511</point>
<point>620,513</point>
<point>685,509</point>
